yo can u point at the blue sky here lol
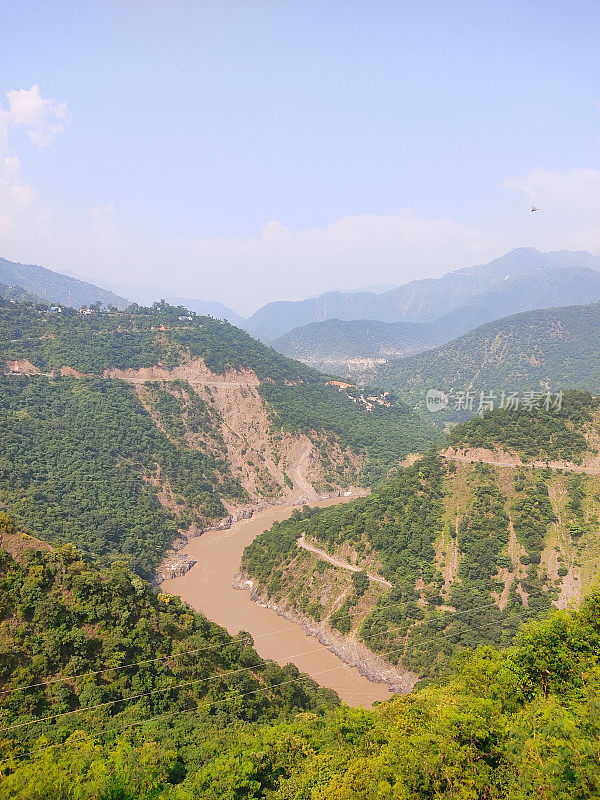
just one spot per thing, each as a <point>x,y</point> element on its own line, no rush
<point>247,151</point>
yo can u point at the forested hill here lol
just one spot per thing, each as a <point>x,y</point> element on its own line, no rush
<point>18,294</point>
<point>470,548</point>
<point>136,338</point>
<point>120,429</point>
<point>111,692</point>
<point>557,348</point>
<point>54,287</point>
<point>567,433</point>
<point>355,347</point>
<point>88,655</point>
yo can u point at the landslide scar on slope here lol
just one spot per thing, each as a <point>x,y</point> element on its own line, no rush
<point>264,461</point>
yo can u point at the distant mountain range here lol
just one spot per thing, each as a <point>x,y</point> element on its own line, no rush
<point>521,280</point>
<point>32,283</point>
<point>354,348</point>
<point>18,294</point>
<point>52,287</point>
<point>146,295</point>
<point>556,349</point>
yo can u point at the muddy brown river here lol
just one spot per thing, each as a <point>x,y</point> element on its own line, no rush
<point>207,587</point>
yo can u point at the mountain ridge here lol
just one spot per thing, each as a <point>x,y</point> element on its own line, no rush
<point>546,349</point>
<point>55,287</point>
<point>522,279</point>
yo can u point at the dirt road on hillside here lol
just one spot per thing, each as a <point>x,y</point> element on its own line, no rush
<point>513,462</point>
<point>337,562</point>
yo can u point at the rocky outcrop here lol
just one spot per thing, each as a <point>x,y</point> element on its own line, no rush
<point>174,565</point>
<point>20,367</point>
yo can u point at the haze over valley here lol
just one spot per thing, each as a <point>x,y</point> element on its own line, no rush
<point>299,401</point>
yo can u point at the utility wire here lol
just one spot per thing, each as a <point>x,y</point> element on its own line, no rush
<point>491,604</point>
<point>216,677</point>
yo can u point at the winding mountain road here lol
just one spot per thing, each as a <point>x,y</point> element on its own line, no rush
<point>554,465</point>
<point>336,562</point>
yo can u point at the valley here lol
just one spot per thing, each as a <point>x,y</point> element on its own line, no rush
<point>139,445</point>
<point>208,587</point>
<point>190,422</point>
<point>185,572</point>
<point>299,400</point>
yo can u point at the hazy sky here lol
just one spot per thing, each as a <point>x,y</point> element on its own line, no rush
<point>248,151</point>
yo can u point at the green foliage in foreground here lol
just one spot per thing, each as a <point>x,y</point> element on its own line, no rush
<point>384,435</point>
<point>78,463</point>
<point>510,726</point>
<point>100,651</point>
<point>556,434</point>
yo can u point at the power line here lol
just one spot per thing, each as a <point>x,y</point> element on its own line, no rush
<point>216,702</point>
<point>491,604</point>
<point>146,694</point>
<point>220,675</point>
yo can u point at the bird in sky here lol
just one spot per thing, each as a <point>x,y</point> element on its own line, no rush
<point>533,208</point>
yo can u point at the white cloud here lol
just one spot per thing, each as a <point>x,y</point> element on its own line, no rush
<point>349,252</point>
<point>43,118</point>
<point>279,262</point>
<point>578,189</point>
<point>23,193</point>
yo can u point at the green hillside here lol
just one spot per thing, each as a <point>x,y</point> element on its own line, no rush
<point>87,651</point>
<point>350,347</point>
<point>568,433</point>
<point>83,462</point>
<point>146,700</point>
<point>558,348</point>
<point>470,549</point>
<point>118,466</point>
<point>91,343</point>
<point>16,294</point>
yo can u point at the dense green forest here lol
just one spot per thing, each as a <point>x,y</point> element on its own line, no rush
<point>470,550</point>
<point>88,651</point>
<point>556,348</point>
<point>111,692</point>
<point>138,337</point>
<point>559,434</point>
<point>82,462</point>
